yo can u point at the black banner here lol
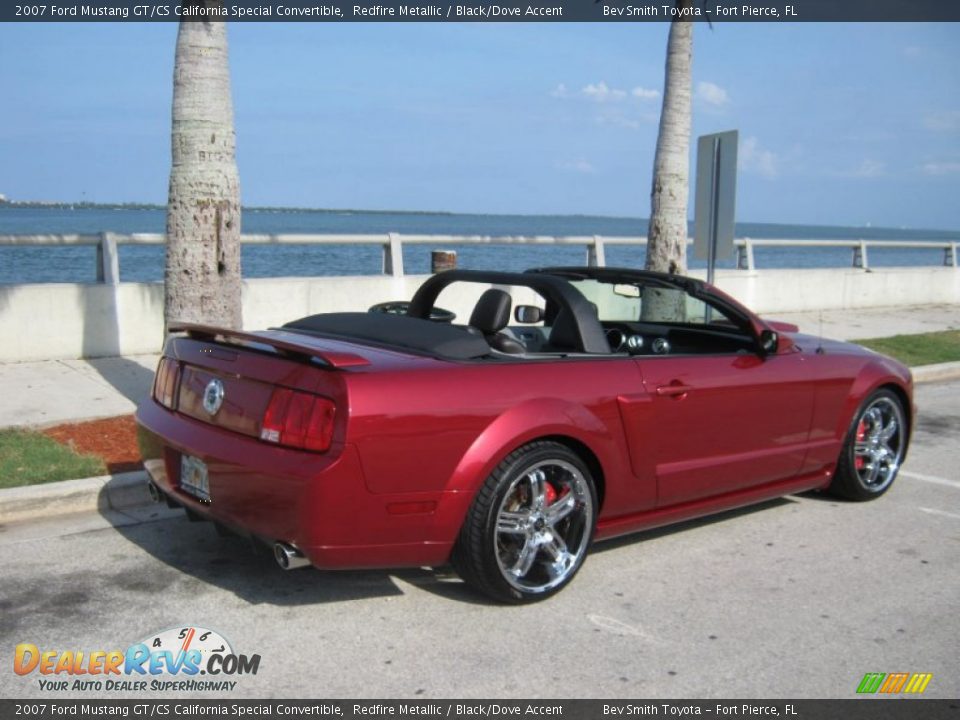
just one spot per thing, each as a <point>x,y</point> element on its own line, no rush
<point>854,709</point>
<point>713,11</point>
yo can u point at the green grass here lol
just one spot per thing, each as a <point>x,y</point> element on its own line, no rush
<point>30,458</point>
<point>924,349</point>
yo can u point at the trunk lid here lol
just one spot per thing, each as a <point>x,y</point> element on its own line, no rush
<point>227,378</point>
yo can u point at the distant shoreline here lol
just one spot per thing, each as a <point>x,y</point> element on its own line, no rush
<point>86,205</point>
<point>757,229</point>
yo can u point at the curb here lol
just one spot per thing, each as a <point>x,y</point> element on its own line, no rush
<point>128,490</point>
<point>107,492</point>
<point>938,371</point>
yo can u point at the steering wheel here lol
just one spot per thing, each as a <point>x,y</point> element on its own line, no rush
<point>399,307</point>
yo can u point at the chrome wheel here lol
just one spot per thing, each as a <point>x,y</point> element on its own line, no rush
<point>875,446</point>
<point>530,525</point>
<point>878,444</point>
<point>543,526</point>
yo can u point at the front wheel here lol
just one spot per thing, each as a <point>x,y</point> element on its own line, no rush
<point>530,526</point>
<point>874,449</point>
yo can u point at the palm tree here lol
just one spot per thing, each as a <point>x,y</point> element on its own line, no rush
<point>202,278</point>
<point>667,233</point>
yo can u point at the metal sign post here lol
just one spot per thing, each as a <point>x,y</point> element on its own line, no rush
<point>716,197</point>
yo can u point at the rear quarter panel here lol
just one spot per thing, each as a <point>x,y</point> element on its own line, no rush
<point>447,426</point>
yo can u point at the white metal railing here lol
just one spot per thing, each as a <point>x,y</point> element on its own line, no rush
<point>859,248</point>
<point>108,263</point>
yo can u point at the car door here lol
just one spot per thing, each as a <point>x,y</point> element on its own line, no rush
<point>713,414</point>
<point>728,416</point>
<point>726,422</point>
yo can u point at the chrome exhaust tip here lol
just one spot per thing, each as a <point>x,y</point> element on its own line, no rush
<point>288,557</point>
<point>154,491</point>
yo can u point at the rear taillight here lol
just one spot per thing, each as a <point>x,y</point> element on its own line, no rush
<point>299,420</point>
<point>166,382</point>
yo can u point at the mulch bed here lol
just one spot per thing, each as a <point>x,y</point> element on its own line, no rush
<point>113,439</point>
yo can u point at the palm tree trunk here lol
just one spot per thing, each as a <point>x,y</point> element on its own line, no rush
<point>667,233</point>
<point>202,278</point>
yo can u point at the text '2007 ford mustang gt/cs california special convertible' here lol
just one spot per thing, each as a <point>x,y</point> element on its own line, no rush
<point>608,401</point>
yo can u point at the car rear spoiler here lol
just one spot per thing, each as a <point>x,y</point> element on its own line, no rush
<point>300,350</point>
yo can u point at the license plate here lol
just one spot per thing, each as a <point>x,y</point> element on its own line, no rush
<point>194,478</point>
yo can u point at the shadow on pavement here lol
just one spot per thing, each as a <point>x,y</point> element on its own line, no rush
<point>101,342</point>
<point>654,533</point>
<point>126,376</point>
<point>193,555</point>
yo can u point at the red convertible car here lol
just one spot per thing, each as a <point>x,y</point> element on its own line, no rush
<point>609,401</point>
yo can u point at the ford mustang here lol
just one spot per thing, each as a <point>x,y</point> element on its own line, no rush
<point>572,406</point>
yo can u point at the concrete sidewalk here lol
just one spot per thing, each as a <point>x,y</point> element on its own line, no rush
<point>49,392</point>
<point>874,322</point>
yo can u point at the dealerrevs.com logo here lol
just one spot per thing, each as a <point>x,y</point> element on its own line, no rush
<point>176,660</point>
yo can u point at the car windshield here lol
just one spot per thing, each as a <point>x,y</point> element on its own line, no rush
<point>632,302</point>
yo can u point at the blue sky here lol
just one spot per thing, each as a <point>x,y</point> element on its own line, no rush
<point>839,123</point>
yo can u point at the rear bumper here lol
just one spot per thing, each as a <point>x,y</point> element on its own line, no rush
<point>319,503</point>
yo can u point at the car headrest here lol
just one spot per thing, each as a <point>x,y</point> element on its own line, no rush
<point>492,312</point>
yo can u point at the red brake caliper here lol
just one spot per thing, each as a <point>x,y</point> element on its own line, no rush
<point>550,495</point>
<point>858,461</point>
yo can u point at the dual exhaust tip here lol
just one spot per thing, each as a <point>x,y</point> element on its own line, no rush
<point>287,556</point>
<point>154,491</point>
<point>158,496</point>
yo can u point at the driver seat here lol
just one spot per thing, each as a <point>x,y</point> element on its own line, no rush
<point>490,316</point>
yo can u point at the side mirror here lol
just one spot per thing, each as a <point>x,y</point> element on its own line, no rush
<point>527,314</point>
<point>769,341</point>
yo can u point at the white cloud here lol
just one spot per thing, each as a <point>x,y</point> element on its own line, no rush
<point>867,169</point>
<point>618,119</point>
<point>580,166</point>
<point>601,92</point>
<point>645,94</point>
<point>712,94</point>
<point>941,168</point>
<point>752,158</point>
<point>614,106</point>
<point>947,121</point>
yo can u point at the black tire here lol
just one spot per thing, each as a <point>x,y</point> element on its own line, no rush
<point>530,525</point>
<point>873,450</point>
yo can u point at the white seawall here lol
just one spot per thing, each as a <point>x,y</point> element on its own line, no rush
<point>72,320</point>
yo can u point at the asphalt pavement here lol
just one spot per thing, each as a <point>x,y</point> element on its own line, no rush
<point>795,598</point>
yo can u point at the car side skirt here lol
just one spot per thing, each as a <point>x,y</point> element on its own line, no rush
<point>608,528</point>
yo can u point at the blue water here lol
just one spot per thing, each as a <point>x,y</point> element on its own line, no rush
<point>145,263</point>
